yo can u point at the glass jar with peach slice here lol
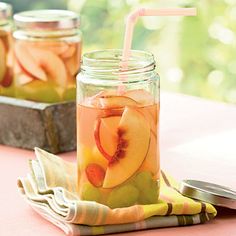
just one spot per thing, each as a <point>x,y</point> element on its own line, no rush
<point>117,132</point>
<point>6,59</point>
<point>47,50</point>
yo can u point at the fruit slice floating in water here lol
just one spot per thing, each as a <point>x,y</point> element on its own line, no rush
<point>8,78</point>
<point>151,162</point>
<point>27,61</point>
<point>3,66</point>
<point>24,79</point>
<point>133,143</point>
<point>106,136</point>
<point>95,174</point>
<point>52,65</point>
<point>110,102</point>
<point>141,96</point>
<point>56,47</point>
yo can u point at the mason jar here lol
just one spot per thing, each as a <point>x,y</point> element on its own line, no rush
<point>6,59</point>
<point>47,49</point>
<point>117,129</point>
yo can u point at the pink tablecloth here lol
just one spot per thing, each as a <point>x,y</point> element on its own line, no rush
<point>197,141</point>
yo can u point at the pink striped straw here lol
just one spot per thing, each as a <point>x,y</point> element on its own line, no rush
<point>133,17</point>
<point>130,23</point>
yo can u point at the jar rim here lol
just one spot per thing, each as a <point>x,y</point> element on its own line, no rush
<point>5,11</point>
<point>47,20</point>
<point>110,61</point>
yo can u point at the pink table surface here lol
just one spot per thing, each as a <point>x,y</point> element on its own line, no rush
<point>187,125</point>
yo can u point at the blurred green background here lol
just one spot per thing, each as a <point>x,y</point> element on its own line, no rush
<point>195,55</point>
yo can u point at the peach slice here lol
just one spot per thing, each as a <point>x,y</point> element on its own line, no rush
<point>72,64</point>
<point>52,65</point>
<point>2,60</point>
<point>53,46</point>
<point>141,96</point>
<point>151,162</point>
<point>110,102</point>
<point>8,78</point>
<point>106,136</point>
<point>24,79</point>
<point>133,144</point>
<point>69,52</point>
<point>28,62</point>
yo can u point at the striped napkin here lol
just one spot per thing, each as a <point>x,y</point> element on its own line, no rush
<point>50,189</point>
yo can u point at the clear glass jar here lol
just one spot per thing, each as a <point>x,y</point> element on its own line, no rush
<point>6,59</point>
<point>117,129</point>
<point>47,49</point>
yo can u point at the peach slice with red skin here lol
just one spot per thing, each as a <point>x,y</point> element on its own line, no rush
<point>3,66</point>
<point>27,61</point>
<point>141,96</point>
<point>52,64</point>
<point>106,136</point>
<point>8,78</point>
<point>111,102</point>
<point>132,146</point>
<point>41,63</point>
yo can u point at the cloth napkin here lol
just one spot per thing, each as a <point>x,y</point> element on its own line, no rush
<point>50,189</point>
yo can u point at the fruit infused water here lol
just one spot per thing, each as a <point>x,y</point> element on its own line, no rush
<point>117,133</point>
<point>47,49</point>
<point>6,60</point>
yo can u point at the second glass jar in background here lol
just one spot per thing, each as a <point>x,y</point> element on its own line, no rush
<point>47,49</point>
<point>117,129</point>
<point>6,59</point>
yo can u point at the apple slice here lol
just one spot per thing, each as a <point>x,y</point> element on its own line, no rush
<point>140,96</point>
<point>3,66</point>
<point>106,136</point>
<point>111,101</point>
<point>133,144</point>
<point>52,64</point>
<point>27,61</point>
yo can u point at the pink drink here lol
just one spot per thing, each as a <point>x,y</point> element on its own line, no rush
<point>118,146</point>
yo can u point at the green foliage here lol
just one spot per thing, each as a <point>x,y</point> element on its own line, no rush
<point>195,55</point>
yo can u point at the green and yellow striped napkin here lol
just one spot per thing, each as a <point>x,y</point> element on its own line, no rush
<point>50,188</point>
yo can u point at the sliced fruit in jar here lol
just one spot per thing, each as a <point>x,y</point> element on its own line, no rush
<point>38,90</point>
<point>141,96</point>
<point>133,143</point>
<point>151,162</point>
<point>52,64</point>
<point>149,189</point>
<point>95,174</point>
<point>72,64</point>
<point>8,78</point>
<point>24,79</point>
<point>27,61</point>
<point>123,196</point>
<point>3,66</point>
<point>56,47</point>
<point>106,136</point>
<point>110,101</point>
<point>69,52</point>
<point>90,193</point>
